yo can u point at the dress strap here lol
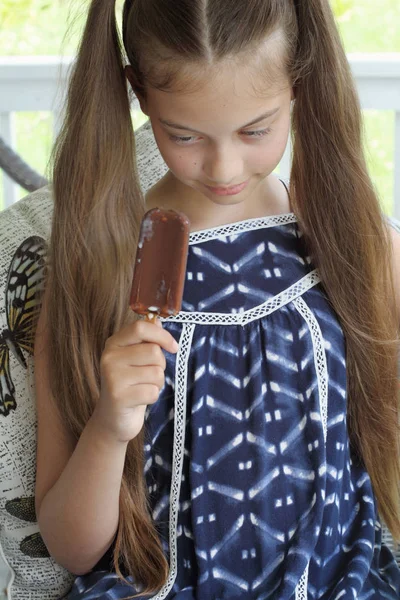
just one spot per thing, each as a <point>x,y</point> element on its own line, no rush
<point>285,186</point>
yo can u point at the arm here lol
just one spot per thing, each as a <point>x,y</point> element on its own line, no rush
<point>78,487</point>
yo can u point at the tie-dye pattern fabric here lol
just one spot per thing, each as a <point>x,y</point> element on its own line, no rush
<point>252,483</point>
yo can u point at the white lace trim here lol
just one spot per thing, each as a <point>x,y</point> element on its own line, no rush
<point>322,378</point>
<point>281,299</point>
<point>204,235</point>
<point>319,359</point>
<point>181,370</point>
<point>301,587</point>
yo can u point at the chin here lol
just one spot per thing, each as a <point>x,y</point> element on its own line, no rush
<point>226,200</point>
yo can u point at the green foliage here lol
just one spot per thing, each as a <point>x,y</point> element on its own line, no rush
<point>342,8</point>
<point>13,12</point>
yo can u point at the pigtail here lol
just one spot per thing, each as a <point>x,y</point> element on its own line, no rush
<point>349,243</point>
<point>98,206</point>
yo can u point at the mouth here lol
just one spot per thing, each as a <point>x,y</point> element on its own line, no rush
<point>228,191</point>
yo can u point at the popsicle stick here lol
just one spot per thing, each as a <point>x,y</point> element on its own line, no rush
<point>150,317</point>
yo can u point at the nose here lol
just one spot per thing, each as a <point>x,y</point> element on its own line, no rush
<point>223,165</point>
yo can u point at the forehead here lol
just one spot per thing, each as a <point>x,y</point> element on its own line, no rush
<point>227,90</point>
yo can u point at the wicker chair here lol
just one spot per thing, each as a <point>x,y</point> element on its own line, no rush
<point>12,164</point>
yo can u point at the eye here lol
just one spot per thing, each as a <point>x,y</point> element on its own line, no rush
<point>259,133</point>
<point>182,139</point>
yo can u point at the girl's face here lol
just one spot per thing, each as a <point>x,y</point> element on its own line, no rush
<point>223,139</point>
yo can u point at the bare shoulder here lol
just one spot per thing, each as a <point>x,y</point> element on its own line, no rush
<point>54,444</point>
<point>395,237</point>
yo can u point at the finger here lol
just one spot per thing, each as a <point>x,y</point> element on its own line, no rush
<point>139,355</point>
<point>143,331</point>
<point>141,395</point>
<point>119,379</point>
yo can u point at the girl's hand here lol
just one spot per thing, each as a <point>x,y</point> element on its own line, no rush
<point>132,374</point>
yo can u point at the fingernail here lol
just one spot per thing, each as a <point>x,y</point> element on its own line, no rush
<point>176,346</point>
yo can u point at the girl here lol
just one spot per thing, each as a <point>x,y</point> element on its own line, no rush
<point>247,448</point>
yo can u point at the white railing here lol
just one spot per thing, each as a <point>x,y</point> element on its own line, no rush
<point>39,84</point>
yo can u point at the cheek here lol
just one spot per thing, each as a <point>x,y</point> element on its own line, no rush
<point>181,161</point>
<point>267,157</point>
<point>264,159</point>
<point>281,141</point>
<point>181,164</point>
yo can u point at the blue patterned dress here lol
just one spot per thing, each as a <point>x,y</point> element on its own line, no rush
<point>252,483</point>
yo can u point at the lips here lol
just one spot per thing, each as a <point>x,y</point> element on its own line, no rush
<point>228,191</point>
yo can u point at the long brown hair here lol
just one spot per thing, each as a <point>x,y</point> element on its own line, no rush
<point>99,204</point>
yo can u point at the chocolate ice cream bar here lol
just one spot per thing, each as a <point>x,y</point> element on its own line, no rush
<point>160,266</point>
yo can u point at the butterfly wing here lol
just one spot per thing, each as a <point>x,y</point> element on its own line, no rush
<point>34,546</point>
<point>22,508</point>
<point>7,389</point>
<point>25,283</point>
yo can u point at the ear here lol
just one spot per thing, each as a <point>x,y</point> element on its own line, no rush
<point>137,89</point>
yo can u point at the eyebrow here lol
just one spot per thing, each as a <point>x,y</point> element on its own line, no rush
<point>254,122</point>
